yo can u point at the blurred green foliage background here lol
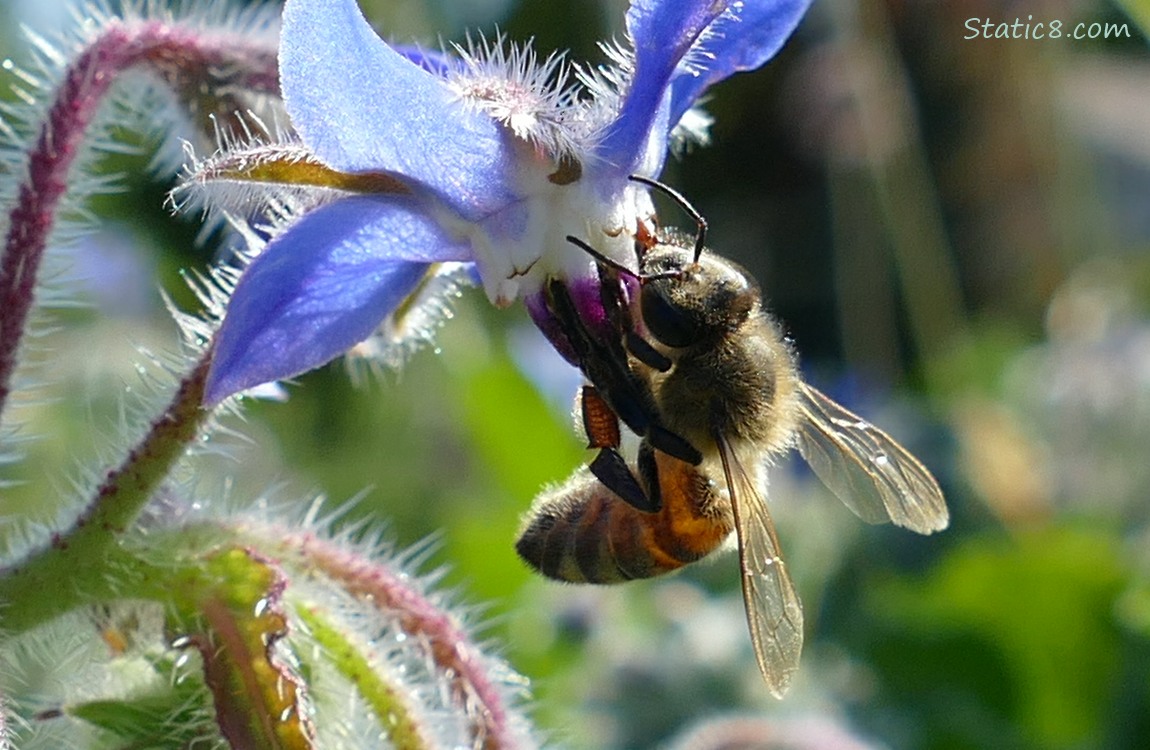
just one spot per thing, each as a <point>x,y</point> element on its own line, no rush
<point>956,234</point>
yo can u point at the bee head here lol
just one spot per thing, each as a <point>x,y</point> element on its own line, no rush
<point>685,301</point>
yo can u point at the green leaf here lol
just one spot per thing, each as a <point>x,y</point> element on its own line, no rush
<point>1039,609</point>
<point>171,719</point>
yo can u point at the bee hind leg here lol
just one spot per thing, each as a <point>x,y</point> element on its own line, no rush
<point>610,469</point>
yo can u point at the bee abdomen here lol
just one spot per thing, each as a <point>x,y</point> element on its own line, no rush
<point>582,533</point>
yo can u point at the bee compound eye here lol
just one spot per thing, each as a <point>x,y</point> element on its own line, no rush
<point>668,321</point>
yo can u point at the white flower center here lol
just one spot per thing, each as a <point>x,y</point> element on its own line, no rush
<point>520,248</point>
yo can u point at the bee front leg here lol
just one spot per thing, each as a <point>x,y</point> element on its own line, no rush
<point>604,361</point>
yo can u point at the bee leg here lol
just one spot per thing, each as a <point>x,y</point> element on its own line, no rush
<point>604,363</point>
<point>619,315</point>
<point>673,445</point>
<point>600,423</point>
<point>649,474</point>
<point>610,469</point>
<point>601,426</point>
<point>642,350</point>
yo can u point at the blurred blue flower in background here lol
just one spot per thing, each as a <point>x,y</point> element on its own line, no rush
<point>482,155</point>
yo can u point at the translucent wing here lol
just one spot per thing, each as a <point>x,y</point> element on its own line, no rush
<point>875,476</point>
<point>774,614</point>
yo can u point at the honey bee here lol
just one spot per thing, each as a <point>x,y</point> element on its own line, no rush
<point>704,375</point>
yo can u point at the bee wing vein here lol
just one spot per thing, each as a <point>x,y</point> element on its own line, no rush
<point>774,613</point>
<point>872,474</point>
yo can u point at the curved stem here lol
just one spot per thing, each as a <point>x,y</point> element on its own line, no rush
<point>180,57</point>
<point>389,701</point>
<point>462,662</point>
<point>75,565</point>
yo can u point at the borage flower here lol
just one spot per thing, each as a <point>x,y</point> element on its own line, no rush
<point>479,157</point>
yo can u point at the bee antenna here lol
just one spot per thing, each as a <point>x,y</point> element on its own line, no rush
<point>701,234</point>
<point>616,265</point>
<point>600,257</point>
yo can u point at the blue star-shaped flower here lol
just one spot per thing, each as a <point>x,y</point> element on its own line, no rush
<point>482,157</point>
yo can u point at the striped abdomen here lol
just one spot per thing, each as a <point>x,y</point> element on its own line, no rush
<point>583,533</point>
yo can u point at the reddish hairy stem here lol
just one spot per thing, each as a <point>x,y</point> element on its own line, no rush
<point>178,56</point>
<point>451,650</point>
<point>126,488</point>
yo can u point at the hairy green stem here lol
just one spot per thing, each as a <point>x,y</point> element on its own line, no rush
<point>388,701</point>
<point>452,651</point>
<point>78,564</point>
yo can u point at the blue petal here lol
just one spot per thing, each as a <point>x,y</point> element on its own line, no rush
<point>744,42</point>
<point>435,62</point>
<point>739,35</point>
<point>321,287</point>
<point>361,106</point>
<point>663,31</point>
